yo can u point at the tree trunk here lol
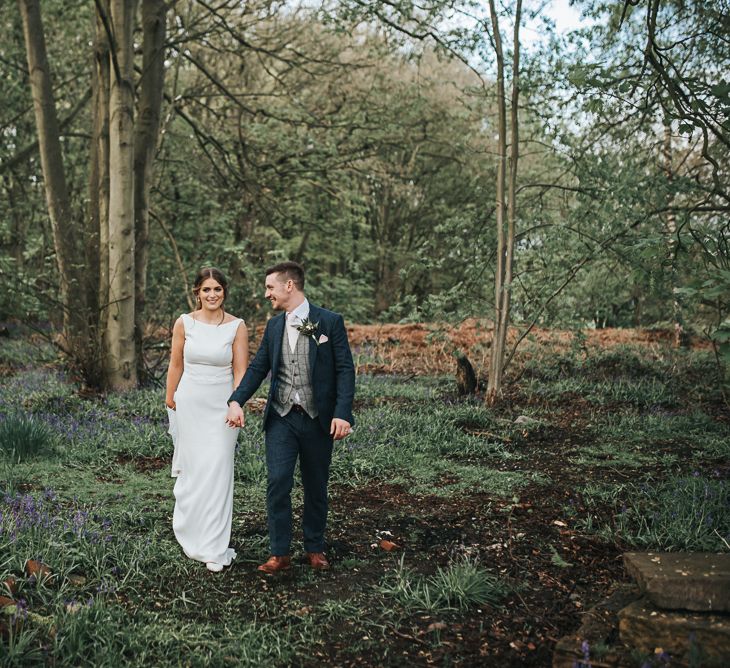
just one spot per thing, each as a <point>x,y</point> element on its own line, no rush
<point>68,257</point>
<point>100,138</point>
<point>680,337</point>
<point>120,357</point>
<point>494,382</point>
<point>505,211</point>
<point>98,212</point>
<point>145,147</point>
<point>44,106</point>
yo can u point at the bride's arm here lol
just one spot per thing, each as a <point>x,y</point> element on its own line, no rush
<point>240,354</point>
<point>175,370</point>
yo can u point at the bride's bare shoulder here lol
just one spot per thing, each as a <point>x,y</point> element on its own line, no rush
<point>178,325</point>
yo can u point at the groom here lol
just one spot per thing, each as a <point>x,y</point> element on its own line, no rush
<point>309,406</point>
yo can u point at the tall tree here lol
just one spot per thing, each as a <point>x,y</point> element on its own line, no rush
<point>98,215</point>
<point>147,128</point>
<point>506,198</point>
<point>69,259</point>
<point>121,365</point>
<point>98,281</point>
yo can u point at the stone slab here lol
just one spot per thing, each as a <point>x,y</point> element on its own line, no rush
<point>697,581</point>
<point>683,635</point>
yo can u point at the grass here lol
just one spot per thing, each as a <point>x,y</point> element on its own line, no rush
<point>463,583</point>
<point>24,352</point>
<point>608,454</point>
<point>699,433</point>
<point>683,513</point>
<point>678,512</point>
<point>619,434</point>
<point>23,437</point>
<point>640,392</point>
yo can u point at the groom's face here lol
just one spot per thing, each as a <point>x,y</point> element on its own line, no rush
<point>278,291</point>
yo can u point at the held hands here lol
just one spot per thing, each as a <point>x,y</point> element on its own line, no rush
<point>339,428</point>
<point>235,417</point>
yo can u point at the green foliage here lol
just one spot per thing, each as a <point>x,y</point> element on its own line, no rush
<point>626,374</point>
<point>421,447</point>
<point>417,453</point>
<point>20,351</point>
<point>250,463</point>
<point>371,160</point>
<point>462,584</point>
<point>332,610</point>
<point>23,437</point>
<point>715,291</point>
<point>642,433</point>
<point>683,513</point>
<point>613,455</point>
<point>100,633</point>
<point>556,559</point>
<point>665,251</point>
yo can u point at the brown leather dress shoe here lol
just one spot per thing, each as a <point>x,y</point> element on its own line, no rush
<point>275,565</point>
<point>318,561</point>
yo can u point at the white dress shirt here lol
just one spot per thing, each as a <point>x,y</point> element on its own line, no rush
<point>294,319</point>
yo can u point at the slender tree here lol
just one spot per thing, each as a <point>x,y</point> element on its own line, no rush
<point>98,213</point>
<point>506,199</point>
<point>121,366</point>
<point>75,340</point>
<point>147,128</point>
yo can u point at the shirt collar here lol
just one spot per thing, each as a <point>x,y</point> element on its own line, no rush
<point>301,311</point>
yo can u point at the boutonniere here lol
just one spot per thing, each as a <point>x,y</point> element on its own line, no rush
<point>309,328</point>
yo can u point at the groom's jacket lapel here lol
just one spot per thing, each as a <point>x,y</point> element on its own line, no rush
<point>314,316</point>
<point>277,331</point>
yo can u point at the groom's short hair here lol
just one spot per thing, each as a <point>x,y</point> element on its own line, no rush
<point>291,270</point>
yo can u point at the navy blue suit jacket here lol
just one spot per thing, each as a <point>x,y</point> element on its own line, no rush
<point>330,365</point>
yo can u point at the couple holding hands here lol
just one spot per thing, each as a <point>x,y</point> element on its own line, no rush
<point>309,406</point>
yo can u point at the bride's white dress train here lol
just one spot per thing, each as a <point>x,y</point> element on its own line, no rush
<point>204,443</point>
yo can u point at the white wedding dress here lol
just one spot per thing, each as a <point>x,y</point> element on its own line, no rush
<point>204,443</point>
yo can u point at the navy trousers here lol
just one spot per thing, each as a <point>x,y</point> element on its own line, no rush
<point>293,436</point>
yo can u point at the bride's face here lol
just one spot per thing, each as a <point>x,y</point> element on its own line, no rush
<point>211,295</point>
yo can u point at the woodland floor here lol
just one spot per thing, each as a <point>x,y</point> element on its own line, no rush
<point>536,504</point>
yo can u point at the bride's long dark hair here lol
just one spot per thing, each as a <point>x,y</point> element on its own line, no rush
<point>204,274</point>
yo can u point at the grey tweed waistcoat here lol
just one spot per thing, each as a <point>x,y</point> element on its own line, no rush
<point>294,376</point>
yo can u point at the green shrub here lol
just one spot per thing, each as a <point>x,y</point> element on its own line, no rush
<point>23,437</point>
<point>462,584</point>
<point>465,583</point>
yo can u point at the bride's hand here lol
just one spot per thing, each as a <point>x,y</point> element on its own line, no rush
<point>235,416</point>
<point>171,404</point>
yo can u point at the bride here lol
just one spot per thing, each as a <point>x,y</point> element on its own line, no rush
<point>208,357</point>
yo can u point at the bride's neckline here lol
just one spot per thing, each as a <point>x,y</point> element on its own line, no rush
<point>211,324</point>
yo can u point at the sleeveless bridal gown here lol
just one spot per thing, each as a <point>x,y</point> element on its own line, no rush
<point>204,443</point>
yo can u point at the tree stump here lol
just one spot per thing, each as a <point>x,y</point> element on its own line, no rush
<point>466,379</point>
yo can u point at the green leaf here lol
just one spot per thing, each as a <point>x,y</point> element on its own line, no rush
<point>721,90</point>
<point>577,76</point>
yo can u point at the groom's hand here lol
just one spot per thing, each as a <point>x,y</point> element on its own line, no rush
<point>339,428</point>
<point>234,417</point>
